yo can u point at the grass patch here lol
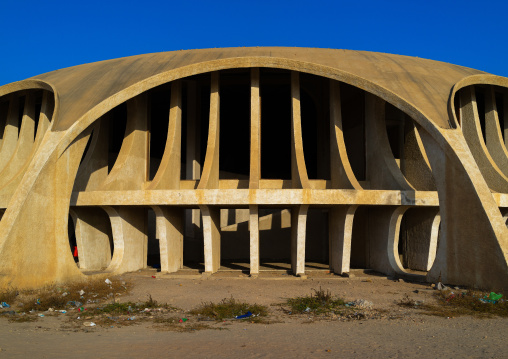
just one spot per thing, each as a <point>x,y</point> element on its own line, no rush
<point>228,309</point>
<point>319,302</point>
<point>454,304</point>
<point>8,296</point>
<point>78,294</point>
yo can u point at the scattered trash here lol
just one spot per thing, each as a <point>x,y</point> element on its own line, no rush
<point>246,315</point>
<point>4,305</point>
<point>491,298</point>
<point>81,292</point>
<point>183,320</point>
<point>89,324</point>
<point>74,303</point>
<point>9,312</point>
<point>51,310</point>
<point>38,302</point>
<point>441,286</point>
<point>81,309</point>
<point>63,311</point>
<point>307,309</point>
<point>362,303</point>
<point>64,294</point>
<point>108,281</point>
<point>132,318</point>
<point>41,315</point>
<point>154,276</point>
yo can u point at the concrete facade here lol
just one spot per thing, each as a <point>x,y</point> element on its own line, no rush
<point>205,157</point>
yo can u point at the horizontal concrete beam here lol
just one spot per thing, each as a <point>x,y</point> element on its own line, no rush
<point>246,197</point>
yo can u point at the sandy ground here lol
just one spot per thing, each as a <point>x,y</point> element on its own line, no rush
<point>399,333</point>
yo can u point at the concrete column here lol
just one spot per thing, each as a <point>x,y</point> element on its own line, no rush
<point>254,239</point>
<point>129,238</point>
<point>382,169</point>
<point>299,176</point>
<point>210,175</point>
<point>340,232</point>
<point>341,173</point>
<point>193,164</point>
<point>211,238</point>
<point>298,233</point>
<point>169,229</point>
<point>93,235</point>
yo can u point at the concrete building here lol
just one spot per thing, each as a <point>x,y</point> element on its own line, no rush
<point>204,158</point>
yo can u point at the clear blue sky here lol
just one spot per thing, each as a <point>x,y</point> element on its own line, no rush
<point>41,36</point>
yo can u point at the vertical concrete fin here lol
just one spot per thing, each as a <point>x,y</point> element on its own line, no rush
<point>341,173</point>
<point>299,176</point>
<point>10,137</point>
<point>131,167</point>
<point>168,174</point>
<point>494,137</point>
<point>210,175</point>
<point>382,169</point>
<point>255,130</point>
<point>94,168</point>
<point>470,122</point>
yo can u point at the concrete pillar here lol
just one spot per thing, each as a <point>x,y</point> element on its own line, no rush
<point>299,176</point>
<point>254,239</point>
<point>129,238</point>
<point>340,232</point>
<point>341,173</point>
<point>211,238</point>
<point>298,233</point>
<point>169,231</point>
<point>93,235</point>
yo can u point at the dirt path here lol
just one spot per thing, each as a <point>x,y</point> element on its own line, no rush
<point>400,332</point>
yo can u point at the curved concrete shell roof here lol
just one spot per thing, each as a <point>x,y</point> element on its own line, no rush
<point>425,84</point>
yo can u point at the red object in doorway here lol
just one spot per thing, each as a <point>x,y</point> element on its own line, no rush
<point>75,254</point>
